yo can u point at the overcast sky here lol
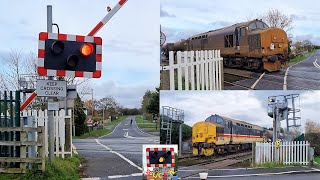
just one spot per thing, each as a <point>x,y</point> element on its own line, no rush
<point>182,18</point>
<point>250,106</point>
<point>130,39</point>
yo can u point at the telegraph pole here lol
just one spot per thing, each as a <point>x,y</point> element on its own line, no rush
<point>50,99</point>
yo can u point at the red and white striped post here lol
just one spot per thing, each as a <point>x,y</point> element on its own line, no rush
<point>28,101</point>
<point>104,21</point>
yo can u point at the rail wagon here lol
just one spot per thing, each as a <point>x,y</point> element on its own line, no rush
<point>248,45</point>
<point>218,135</point>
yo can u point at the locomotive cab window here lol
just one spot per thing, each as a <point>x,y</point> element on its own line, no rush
<point>260,25</point>
<point>253,26</point>
<point>228,40</point>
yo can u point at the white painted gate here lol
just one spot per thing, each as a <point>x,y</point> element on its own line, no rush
<point>289,152</point>
<point>196,70</point>
<point>41,119</point>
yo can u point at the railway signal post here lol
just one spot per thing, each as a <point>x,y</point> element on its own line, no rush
<point>65,55</point>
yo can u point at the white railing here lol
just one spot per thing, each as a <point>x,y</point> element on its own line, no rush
<point>196,70</point>
<point>287,153</point>
<point>41,119</point>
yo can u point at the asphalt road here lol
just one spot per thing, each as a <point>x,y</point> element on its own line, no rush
<point>291,173</point>
<point>118,154</point>
<point>306,74</point>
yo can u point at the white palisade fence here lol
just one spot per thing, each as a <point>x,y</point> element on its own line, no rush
<point>289,152</point>
<point>41,119</point>
<point>196,70</point>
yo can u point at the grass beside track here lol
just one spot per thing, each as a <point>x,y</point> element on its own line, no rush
<point>302,58</point>
<point>67,168</point>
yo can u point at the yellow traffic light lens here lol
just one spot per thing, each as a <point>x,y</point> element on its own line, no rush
<point>86,49</point>
<point>161,159</point>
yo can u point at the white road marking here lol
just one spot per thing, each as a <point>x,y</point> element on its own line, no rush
<point>316,64</point>
<point>285,84</point>
<point>123,176</point>
<point>111,132</point>
<point>120,155</point>
<point>125,129</point>
<point>262,174</point>
<point>254,85</point>
<point>126,134</point>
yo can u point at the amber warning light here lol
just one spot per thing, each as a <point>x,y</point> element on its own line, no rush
<point>86,49</point>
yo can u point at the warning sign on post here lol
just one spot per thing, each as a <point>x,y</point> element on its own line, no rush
<point>51,88</point>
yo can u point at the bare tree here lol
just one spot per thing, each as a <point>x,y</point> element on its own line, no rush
<point>274,18</point>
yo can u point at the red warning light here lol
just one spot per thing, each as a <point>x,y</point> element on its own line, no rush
<point>86,49</point>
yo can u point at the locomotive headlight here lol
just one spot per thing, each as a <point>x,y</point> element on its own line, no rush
<point>280,45</point>
<point>272,46</point>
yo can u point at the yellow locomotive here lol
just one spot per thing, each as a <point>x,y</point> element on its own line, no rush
<point>218,135</point>
<point>249,45</point>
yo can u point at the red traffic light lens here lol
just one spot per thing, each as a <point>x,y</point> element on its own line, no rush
<point>57,47</point>
<point>86,49</point>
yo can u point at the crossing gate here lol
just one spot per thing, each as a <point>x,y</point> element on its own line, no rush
<point>16,139</point>
<point>195,70</point>
<point>287,153</point>
<point>62,130</point>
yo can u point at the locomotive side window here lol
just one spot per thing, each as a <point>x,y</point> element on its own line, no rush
<point>228,40</point>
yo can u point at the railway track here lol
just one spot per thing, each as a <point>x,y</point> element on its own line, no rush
<point>246,80</point>
<point>214,163</point>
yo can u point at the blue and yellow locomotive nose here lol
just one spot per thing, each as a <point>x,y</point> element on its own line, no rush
<point>203,138</point>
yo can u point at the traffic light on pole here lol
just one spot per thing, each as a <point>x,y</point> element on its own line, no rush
<point>69,55</point>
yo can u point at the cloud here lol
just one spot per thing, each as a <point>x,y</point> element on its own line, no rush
<point>295,17</point>
<point>164,13</point>
<point>126,95</point>
<point>221,23</point>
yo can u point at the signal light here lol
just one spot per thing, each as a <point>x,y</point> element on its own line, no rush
<point>57,47</point>
<point>69,55</point>
<point>72,61</point>
<point>86,49</point>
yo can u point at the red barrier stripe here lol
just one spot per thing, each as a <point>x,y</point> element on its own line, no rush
<point>98,40</point>
<point>79,74</point>
<point>43,36</point>
<point>98,58</point>
<point>62,37</point>
<point>96,74</point>
<point>121,2</point>
<point>28,101</point>
<point>41,53</point>
<point>61,73</point>
<point>80,38</point>
<point>96,29</point>
<point>42,71</point>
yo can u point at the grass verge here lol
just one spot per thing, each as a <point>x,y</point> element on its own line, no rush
<point>317,160</point>
<point>67,168</point>
<point>117,121</point>
<point>276,165</point>
<point>94,134</point>
<point>302,58</point>
<point>146,125</point>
